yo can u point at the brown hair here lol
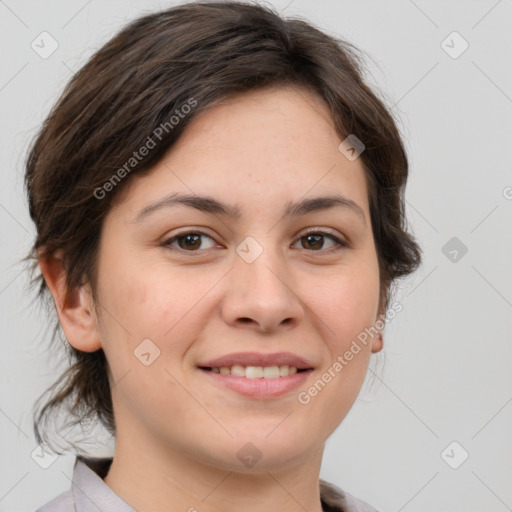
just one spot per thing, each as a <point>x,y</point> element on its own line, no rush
<point>127,95</point>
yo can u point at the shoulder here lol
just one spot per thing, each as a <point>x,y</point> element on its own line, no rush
<point>62,503</point>
<point>335,499</point>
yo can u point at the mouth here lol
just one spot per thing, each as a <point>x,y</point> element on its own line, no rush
<point>256,372</point>
<point>258,376</point>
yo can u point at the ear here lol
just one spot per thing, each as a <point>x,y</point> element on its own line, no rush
<point>378,341</point>
<point>75,307</point>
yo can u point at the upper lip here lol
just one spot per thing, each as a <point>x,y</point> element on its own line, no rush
<point>258,359</point>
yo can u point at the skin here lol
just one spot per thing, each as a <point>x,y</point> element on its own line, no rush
<point>177,433</point>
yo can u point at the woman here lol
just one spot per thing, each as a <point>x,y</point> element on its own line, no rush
<point>218,198</point>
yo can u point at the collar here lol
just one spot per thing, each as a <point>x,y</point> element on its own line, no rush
<point>91,493</point>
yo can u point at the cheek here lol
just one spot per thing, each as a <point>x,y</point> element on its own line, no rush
<point>348,303</point>
<point>140,312</point>
<point>151,301</point>
<point>348,307</point>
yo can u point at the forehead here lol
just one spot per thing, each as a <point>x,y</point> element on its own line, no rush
<point>257,149</point>
<point>264,118</point>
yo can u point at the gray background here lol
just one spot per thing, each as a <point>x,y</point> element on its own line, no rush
<point>447,373</point>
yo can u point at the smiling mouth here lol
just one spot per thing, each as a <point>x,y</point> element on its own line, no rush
<point>256,372</point>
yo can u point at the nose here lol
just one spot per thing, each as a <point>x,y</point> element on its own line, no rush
<point>261,295</point>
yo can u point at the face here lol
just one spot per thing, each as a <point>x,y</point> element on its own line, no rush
<point>259,276</point>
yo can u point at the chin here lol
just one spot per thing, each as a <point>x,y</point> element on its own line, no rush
<point>253,452</point>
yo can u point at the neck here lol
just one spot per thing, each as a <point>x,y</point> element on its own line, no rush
<point>149,477</point>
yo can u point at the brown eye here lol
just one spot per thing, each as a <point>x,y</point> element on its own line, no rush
<point>190,242</point>
<point>315,241</point>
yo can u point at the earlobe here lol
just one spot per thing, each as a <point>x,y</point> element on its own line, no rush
<point>378,341</point>
<point>75,307</point>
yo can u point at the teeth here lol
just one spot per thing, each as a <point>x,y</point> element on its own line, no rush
<point>237,370</point>
<point>256,372</point>
<point>271,372</point>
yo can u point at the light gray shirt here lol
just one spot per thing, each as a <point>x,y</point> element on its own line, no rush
<point>89,493</point>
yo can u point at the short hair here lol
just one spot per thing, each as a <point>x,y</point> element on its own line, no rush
<point>130,91</point>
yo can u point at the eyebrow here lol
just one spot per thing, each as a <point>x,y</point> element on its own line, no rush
<point>213,206</point>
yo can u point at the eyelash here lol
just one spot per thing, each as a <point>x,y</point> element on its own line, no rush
<point>314,231</point>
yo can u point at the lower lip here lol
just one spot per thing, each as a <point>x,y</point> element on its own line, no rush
<point>259,388</point>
